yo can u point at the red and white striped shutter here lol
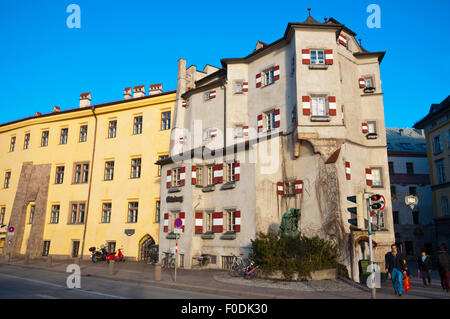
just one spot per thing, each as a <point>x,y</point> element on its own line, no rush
<point>362,83</point>
<point>182,176</point>
<point>217,222</point>
<point>237,170</point>
<point>329,57</point>
<point>183,103</point>
<point>258,80</point>
<point>212,94</point>
<point>237,221</point>
<point>194,175</point>
<point>280,188</point>
<point>332,105</point>
<point>343,40</point>
<point>342,114</point>
<point>245,87</point>
<point>183,219</point>
<point>260,123</point>
<point>276,72</point>
<point>306,56</point>
<point>369,176</point>
<point>213,132</point>
<point>348,172</point>
<point>365,128</point>
<point>277,118</point>
<point>306,105</point>
<point>169,179</point>
<point>198,222</point>
<point>166,222</point>
<point>245,130</point>
<point>218,173</point>
<point>298,186</point>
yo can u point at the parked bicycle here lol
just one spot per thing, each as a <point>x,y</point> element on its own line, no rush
<point>238,266</point>
<point>168,260</point>
<point>251,271</point>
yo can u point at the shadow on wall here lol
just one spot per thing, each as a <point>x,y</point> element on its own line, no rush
<point>273,228</point>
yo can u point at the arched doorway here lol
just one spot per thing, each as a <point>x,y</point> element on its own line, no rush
<point>148,250</point>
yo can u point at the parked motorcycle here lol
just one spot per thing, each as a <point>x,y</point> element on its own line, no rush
<point>98,254</point>
<point>112,256</point>
<point>251,271</point>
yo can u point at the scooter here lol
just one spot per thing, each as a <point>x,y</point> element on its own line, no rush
<point>98,254</point>
<point>113,256</point>
<point>251,271</point>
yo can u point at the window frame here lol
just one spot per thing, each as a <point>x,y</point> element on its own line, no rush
<point>12,143</point>
<point>84,173</point>
<point>380,169</point>
<point>440,171</point>
<point>136,168</point>
<point>317,56</point>
<point>7,180</point>
<point>64,136</point>
<point>54,213</point>
<point>132,212</point>
<point>83,133</point>
<point>138,125</point>
<point>112,129</point>
<point>230,220</point>
<point>106,213</point>
<point>325,105</point>
<point>2,214</point>
<point>176,177</point>
<point>109,170</point>
<point>26,141</point>
<point>45,138</point>
<point>74,216</point>
<point>165,120</point>
<point>59,176</point>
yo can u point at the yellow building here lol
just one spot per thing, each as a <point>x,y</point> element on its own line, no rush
<point>85,177</point>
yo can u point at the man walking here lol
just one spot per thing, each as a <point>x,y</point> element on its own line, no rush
<point>395,266</point>
<point>424,265</point>
<point>444,268</point>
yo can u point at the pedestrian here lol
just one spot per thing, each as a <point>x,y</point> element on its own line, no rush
<point>425,266</point>
<point>444,268</point>
<point>394,262</point>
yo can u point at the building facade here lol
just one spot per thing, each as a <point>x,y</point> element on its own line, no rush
<point>409,175</point>
<point>86,176</point>
<point>298,123</point>
<point>436,125</point>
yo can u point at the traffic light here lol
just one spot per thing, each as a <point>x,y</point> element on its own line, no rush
<point>355,223</point>
<point>376,202</point>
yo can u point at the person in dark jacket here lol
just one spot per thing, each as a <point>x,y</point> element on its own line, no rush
<point>425,266</point>
<point>444,268</point>
<point>395,263</point>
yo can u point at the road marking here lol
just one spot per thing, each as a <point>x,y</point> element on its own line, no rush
<point>63,287</point>
<point>46,296</point>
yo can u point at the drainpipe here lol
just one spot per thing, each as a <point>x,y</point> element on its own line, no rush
<point>90,184</point>
<point>224,117</point>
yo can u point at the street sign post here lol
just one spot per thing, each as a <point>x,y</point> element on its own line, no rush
<point>177,230</point>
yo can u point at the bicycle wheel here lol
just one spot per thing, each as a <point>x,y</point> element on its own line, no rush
<point>172,263</point>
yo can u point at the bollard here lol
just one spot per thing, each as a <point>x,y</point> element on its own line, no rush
<point>49,261</point>
<point>158,272</point>
<point>27,259</point>
<point>111,267</point>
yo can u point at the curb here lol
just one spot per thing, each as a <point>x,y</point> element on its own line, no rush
<point>230,293</point>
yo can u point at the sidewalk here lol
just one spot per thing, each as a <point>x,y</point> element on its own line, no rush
<point>219,281</point>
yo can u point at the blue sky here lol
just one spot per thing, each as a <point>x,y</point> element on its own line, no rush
<point>43,63</point>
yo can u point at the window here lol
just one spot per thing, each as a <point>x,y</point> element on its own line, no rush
<point>199,176</point>
<point>230,221</point>
<point>161,157</point>
<point>54,216</point>
<point>157,211</point>
<point>59,176</point>
<point>376,177</point>
<point>444,206</point>
<point>391,168</point>
<point>109,171</point>
<point>7,180</point>
<point>137,128</point>
<point>112,129</point>
<point>415,218</point>
<point>106,212</point>
<point>210,133</point>
<point>412,190</point>
<point>44,139</point>
<point>238,87</point>
<point>77,213</point>
<point>136,168</point>
<point>372,126</point>
<point>81,173</point>
<point>423,146</point>
<point>111,247</point>
<point>447,137</point>
<point>165,121</point>
<point>176,172</point>
<point>239,131</point>
<point>46,248</point>
<point>395,217</point>
<point>268,76</point>
<point>410,168</point>
<point>12,145</point>
<point>209,222</point>
<point>270,120</point>
<point>440,170</point>
<point>409,247</point>
<point>64,134</point>
<point>437,145</point>
<point>2,215</point>
<point>318,106</point>
<point>393,190</point>
<point>230,172</point>
<point>407,146</point>
<point>75,248</point>
<point>32,210</point>
<point>369,82</point>
<point>83,133</point>
<point>317,56</point>
<point>133,212</point>
<point>210,180</point>
<point>389,146</point>
<point>26,141</point>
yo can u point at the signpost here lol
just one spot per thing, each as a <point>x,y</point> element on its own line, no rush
<point>177,230</point>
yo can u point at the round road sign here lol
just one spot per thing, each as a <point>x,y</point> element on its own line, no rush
<point>11,229</point>
<point>178,223</point>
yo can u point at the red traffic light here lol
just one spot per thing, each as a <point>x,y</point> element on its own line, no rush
<point>375,197</point>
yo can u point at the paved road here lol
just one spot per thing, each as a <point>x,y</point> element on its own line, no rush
<point>19,283</point>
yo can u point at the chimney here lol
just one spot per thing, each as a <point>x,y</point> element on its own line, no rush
<point>139,91</point>
<point>56,109</point>
<point>400,131</point>
<point>155,89</point>
<point>37,114</point>
<point>85,99</point>
<point>127,94</point>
